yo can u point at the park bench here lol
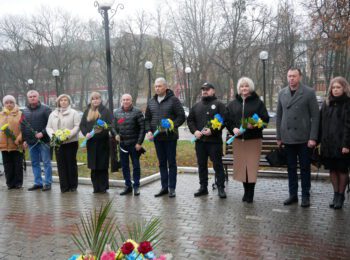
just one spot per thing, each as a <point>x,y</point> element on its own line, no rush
<point>269,143</point>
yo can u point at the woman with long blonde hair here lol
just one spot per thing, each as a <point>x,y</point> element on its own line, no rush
<point>98,145</point>
<point>335,137</point>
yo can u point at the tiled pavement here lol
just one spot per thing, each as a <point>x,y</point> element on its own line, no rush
<point>37,225</point>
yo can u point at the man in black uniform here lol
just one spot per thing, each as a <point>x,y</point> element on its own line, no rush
<point>209,140</point>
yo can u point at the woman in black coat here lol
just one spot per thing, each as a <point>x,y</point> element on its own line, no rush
<point>98,145</point>
<point>247,146</point>
<point>335,137</point>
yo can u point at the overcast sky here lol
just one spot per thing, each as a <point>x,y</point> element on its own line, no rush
<point>83,8</point>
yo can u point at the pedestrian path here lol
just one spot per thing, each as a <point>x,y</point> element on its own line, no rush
<point>37,225</point>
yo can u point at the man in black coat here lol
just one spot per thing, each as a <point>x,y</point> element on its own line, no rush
<point>34,134</point>
<point>129,124</point>
<point>209,140</point>
<point>164,105</point>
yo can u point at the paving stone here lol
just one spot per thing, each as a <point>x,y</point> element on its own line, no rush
<point>38,225</point>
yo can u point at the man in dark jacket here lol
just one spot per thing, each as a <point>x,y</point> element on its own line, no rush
<point>129,124</point>
<point>164,105</point>
<point>34,134</point>
<point>297,128</point>
<point>209,140</point>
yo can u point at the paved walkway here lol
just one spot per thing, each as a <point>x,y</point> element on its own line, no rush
<point>37,225</point>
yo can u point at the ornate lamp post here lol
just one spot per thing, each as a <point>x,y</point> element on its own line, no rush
<point>30,83</point>
<point>188,71</point>
<point>103,7</point>
<point>263,56</point>
<point>149,66</point>
<point>56,74</point>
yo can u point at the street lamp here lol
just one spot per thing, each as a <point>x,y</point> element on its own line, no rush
<point>149,66</point>
<point>188,71</point>
<point>103,7</point>
<point>30,82</point>
<point>263,56</point>
<point>56,74</point>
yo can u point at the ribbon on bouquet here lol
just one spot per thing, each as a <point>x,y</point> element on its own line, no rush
<point>241,130</point>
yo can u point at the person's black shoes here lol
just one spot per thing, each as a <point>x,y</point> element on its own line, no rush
<point>46,188</point>
<point>126,191</point>
<point>202,191</point>
<point>331,204</point>
<point>172,193</point>
<point>35,187</point>
<point>291,200</point>
<point>161,192</point>
<point>339,201</point>
<point>136,191</point>
<point>305,202</point>
<point>221,193</point>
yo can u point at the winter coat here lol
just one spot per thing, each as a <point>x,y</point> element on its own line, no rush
<point>35,120</point>
<point>169,107</point>
<point>69,119</point>
<point>97,146</point>
<point>298,116</point>
<point>335,127</point>
<point>237,109</point>
<point>130,125</point>
<point>201,114</point>
<point>13,119</point>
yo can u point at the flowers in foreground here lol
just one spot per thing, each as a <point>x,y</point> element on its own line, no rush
<point>213,124</point>
<point>60,136</point>
<point>100,124</point>
<point>8,132</point>
<point>166,125</point>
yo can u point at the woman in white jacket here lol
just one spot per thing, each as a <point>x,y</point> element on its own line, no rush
<point>64,117</point>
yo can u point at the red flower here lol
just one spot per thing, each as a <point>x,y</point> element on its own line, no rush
<point>21,119</point>
<point>145,247</point>
<point>121,120</point>
<point>127,248</point>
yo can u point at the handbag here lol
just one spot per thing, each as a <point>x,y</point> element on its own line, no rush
<point>316,158</point>
<point>277,157</point>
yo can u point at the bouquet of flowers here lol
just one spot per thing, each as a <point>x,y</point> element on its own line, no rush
<point>97,237</point>
<point>255,121</point>
<point>214,124</point>
<point>8,132</point>
<point>60,136</point>
<point>100,124</point>
<point>166,125</point>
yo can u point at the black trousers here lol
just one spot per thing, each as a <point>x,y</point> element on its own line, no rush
<point>13,166</point>
<point>66,156</point>
<point>99,179</point>
<point>214,151</point>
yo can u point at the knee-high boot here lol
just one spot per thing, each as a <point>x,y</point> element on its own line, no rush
<point>245,186</point>
<point>250,196</point>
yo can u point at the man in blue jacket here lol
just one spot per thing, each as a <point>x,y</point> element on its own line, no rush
<point>34,134</point>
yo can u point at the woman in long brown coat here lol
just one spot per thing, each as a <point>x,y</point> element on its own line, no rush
<point>10,145</point>
<point>247,145</point>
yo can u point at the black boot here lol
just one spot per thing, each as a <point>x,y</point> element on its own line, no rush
<point>331,204</point>
<point>339,201</point>
<point>250,196</point>
<point>245,186</point>
<point>203,190</point>
<point>221,192</point>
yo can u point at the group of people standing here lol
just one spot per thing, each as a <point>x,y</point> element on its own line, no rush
<point>300,128</point>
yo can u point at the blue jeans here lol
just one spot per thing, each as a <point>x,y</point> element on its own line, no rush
<point>303,153</point>
<point>41,152</point>
<point>166,153</point>
<point>124,159</point>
